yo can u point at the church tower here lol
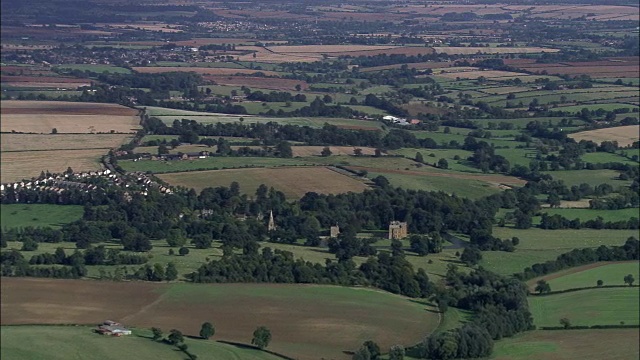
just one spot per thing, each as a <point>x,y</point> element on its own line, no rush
<point>272,223</point>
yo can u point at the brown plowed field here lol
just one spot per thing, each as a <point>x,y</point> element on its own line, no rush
<point>306,321</point>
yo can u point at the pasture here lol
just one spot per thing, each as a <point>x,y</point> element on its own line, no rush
<point>66,117</point>
<point>169,115</point>
<point>624,135</point>
<point>611,273</point>
<point>612,344</point>
<point>462,187</point>
<point>591,177</point>
<point>22,215</point>
<point>51,342</point>
<point>303,319</point>
<point>293,181</point>
<point>606,306</point>
<point>538,246</point>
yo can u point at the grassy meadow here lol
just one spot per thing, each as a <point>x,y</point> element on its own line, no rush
<point>538,246</point>
<point>606,306</point>
<point>610,274</point>
<point>612,344</point>
<point>22,215</point>
<point>53,343</point>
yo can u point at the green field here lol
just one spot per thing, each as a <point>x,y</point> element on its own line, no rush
<point>470,188</point>
<point>169,115</point>
<point>21,215</point>
<point>80,342</point>
<point>458,165</point>
<point>538,246</point>
<point>591,177</point>
<point>610,274</point>
<point>605,106</point>
<point>610,344</point>
<point>538,239</point>
<point>607,306</point>
<point>602,157</point>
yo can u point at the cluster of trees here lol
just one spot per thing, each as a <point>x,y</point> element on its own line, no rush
<point>552,222</point>
<point>12,263</point>
<point>391,272</point>
<point>157,272</point>
<point>275,96</point>
<point>500,308</point>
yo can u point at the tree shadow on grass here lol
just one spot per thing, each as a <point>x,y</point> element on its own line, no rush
<point>427,303</point>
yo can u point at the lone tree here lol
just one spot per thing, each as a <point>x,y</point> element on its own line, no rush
<point>542,287</point>
<point>629,279</point>
<point>599,283</point>
<point>183,251</point>
<point>261,337</point>
<point>396,352</point>
<point>157,333</point>
<point>175,337</point>
<point>207,330</point>
<point>326,151</point>
<point>374,349</point>
<point>471,255</point>
<point>565,322</point>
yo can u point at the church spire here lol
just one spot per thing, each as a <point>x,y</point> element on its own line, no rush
<point>272,223</point>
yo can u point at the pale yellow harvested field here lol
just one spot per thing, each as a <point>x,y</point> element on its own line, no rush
<point>75,124</point>
<point>624,135</point>
<point>304,151</point>
<point>293,181</point>
<point>67,117</point>
<point>325,49</point>
<point>491,50</point>
<point>63,107</point>
<point>27,164</point>
<point>26,142</point>
<point>489,74</point>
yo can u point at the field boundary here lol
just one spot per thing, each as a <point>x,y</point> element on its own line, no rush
<point>583,288</point>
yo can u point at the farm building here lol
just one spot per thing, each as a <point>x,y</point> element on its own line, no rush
<point>112,328</point>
